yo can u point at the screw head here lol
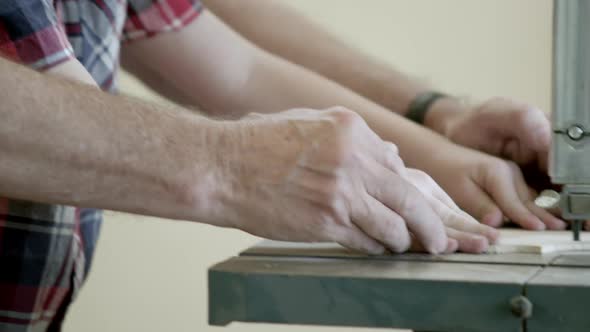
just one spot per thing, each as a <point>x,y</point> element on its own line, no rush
<point>521,307</point>
<point>548,199</point>
<point>575,132</point>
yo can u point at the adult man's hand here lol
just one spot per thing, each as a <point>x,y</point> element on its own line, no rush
<point>500,126</point>
<point>471,236</point>
<point>305,175</point>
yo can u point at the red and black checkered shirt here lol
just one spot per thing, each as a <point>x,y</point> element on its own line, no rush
<point>45,250</point>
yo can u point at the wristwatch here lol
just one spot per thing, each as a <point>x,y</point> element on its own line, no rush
<point>421,105</point>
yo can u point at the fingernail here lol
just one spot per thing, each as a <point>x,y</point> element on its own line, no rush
<point>482,244</point>
<point>452,246</point>
<point>560,225</point>
<point>377,250</point>
<point>436,249</point>
<point>539,226</point>
<point>493,235</point>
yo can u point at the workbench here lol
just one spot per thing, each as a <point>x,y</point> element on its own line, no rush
<point>325,284</point>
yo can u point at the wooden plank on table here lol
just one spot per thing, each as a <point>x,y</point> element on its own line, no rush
<point>539,242</point>
<point>515,246</point>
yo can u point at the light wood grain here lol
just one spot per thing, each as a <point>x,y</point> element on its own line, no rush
<point>533,242</point>
<point>511,241</point>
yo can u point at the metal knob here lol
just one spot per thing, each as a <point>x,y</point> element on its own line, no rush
<point>548,200</point>
<point>521,307</point>
<point>575,132</point>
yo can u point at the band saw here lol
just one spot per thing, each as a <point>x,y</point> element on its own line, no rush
<point>325,284</point>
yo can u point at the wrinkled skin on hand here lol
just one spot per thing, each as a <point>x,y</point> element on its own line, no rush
<point>471,236</point>
<point>307,175</point>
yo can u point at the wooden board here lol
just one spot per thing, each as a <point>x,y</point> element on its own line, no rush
<point>542,242</point>
<point>512,241</point>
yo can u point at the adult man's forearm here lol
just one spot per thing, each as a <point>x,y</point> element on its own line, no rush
<point>66,143</point>
<point>257,82</point>
<point>282,30</point>
<point>277,84</point>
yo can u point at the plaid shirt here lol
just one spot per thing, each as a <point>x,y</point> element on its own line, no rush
<point>45,250</point>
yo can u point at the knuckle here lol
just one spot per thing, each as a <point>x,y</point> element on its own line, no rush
<point>409,203</point>
<point>346,120</point>
<point>537,122</point>
<point>343,116</point>
<point>422,175</point>
<point>391,148</point>
<point>422,180</point>
<point>451,218</point>
<point>493,173</point>
<point>534,111</point>
<point>527,116</point>
<point>499,167</point>
<point>391,156</point>
<point>511,166</point>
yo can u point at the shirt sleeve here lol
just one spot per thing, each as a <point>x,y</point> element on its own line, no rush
<point>146,18</point>
<point>30,33</point>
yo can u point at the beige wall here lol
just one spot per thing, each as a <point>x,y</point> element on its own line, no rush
<point>150,275</point>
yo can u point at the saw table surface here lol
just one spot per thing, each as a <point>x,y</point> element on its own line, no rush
<point>325,284</point>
